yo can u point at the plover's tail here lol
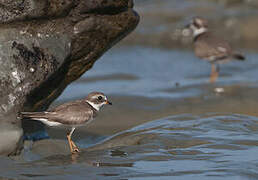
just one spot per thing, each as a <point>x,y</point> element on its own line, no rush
<point>39,116</point>
<point>238,56</point>
<point>32,115</point>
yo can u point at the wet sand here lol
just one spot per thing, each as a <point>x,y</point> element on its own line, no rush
<point>163,21</point>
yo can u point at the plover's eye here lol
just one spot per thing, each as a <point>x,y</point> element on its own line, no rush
<point>100,98</point>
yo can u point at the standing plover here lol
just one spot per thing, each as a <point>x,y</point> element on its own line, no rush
<point>211,48</point>
<point>72,114</point>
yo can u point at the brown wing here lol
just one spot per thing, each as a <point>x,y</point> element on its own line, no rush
<point>72,113</point>
<point>210,47</point>
<point>66,105</point>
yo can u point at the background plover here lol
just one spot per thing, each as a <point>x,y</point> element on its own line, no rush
<point>211,48</point>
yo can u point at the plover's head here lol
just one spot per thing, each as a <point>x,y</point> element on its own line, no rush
<point>97,100</point>
<point>198,25</point>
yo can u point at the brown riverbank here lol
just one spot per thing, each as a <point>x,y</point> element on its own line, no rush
<point>162,22</point>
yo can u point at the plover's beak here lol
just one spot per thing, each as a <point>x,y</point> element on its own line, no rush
<point>108,102</point>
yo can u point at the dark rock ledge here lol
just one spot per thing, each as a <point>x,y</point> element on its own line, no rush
<point>47,44</point>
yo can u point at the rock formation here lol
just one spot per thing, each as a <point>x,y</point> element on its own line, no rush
<point>47,44</point>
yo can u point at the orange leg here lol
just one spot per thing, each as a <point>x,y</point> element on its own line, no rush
<point>214,73</point>
<point>69,142</point>
<point>73,147</point>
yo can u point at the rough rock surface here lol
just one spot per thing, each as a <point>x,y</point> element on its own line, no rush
<point>45,45</point>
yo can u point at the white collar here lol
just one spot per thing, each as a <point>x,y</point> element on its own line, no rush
<point>95,106</point>
<point>197,32</point>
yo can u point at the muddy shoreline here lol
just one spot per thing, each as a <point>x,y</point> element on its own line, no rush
<point>164,20</point>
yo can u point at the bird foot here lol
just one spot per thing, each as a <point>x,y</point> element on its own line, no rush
<point>75,149</point>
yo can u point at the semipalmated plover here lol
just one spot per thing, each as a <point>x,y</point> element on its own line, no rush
<point>211,48</point>
<point>72,114</point>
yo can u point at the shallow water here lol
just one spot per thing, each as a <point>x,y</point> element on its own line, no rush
<point>167,121</point>
<point>216,146</point>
